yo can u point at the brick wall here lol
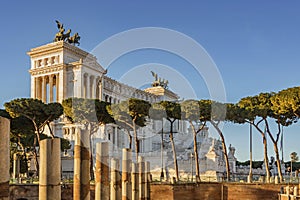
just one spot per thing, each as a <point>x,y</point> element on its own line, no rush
<point>215,191</point>
<point>202,191</point>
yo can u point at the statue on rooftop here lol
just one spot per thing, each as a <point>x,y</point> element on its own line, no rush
<point>158,81</point>
<point>62,36</point>
<point>74,39</point>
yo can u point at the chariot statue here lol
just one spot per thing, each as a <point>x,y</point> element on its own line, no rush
<point>62,36</point>
<point>158,81</point>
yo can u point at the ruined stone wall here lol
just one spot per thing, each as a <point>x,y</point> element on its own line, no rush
<point>215,191</point>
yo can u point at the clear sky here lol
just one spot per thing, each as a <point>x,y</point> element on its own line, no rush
<point>254,44</point>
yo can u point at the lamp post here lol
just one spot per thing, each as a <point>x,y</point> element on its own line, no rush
<point>250,170</point>
<point>162,151</point>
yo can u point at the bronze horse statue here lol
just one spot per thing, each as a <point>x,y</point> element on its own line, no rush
<point>74,39</point>
<point>62,36</point>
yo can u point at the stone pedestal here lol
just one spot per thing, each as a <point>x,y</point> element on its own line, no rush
<point>102,172</point>
<point>50,169</point>
<point>81,165</point>
<point>4,158</point>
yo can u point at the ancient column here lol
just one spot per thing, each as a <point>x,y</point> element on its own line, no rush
<point>147,180</point>
<point>51,88</point>
<point>57,87</point>
<point>44,90</point>
<point>50,169</point>
<point>134,182</point>
<point>295,191</point>
<point>16,167</point>
<point>4,158</point>
<point>114,179</point>
<point>141,163</point>
<point>126,165</point>
<point>88,87</point>
<point>81,187</point>
<point>37,88</point>
<point>102,172</point>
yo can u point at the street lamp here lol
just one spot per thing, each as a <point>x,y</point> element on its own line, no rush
<point>162,150</point>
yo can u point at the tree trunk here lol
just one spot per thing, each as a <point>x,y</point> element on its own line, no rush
<point>36,157</point>
<point>129,139</point>
<point>275,148</point>
<point>136,142</point>
<point>174,152</point>
<point>196,153</point>
<point>224,150</point>
<point>266,160</point>
<point>278,162</point>
<point>92,177</point>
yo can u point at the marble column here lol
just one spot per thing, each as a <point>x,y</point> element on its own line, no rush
<point>51,88</point>
<point>57,87</point>
<point>88,85</point>
<point>134,182</point>
<point>37,88</point>
<point>114,179</point>
<point>147,180</point>
<point>81,187</point>
<point>141,163</point>
<point>4,158</point>
<point>44,90</point>
<point>50,169</point>
<point>126,165</point>
<point>102,172</point>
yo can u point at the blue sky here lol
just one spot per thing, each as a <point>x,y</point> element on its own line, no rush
<point>254,44</point>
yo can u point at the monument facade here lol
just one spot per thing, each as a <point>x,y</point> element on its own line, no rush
<point>60,70</point>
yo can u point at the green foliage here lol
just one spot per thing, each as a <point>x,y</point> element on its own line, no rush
<point>157,112</point>
<point>64,144</point>
<point>190,110</point>
<point>259,105</point>
<point>286,104</point>
<point>172,109</point>
<point>237,114</point>
<point>205,110</point>
<point>86,111</point>
<point>126,112</point>
<point>21,130</point>
<point>34,109</point>
<point>138,108</point>
<point>255,164</point>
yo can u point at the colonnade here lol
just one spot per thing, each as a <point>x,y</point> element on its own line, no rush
<point>47,88</point>
<point>91,86</point>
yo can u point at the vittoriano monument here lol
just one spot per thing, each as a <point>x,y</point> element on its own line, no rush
<point>62,36</point>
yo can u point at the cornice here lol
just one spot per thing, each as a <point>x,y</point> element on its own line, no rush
<point>57,47</point>
<point>44,70</point>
